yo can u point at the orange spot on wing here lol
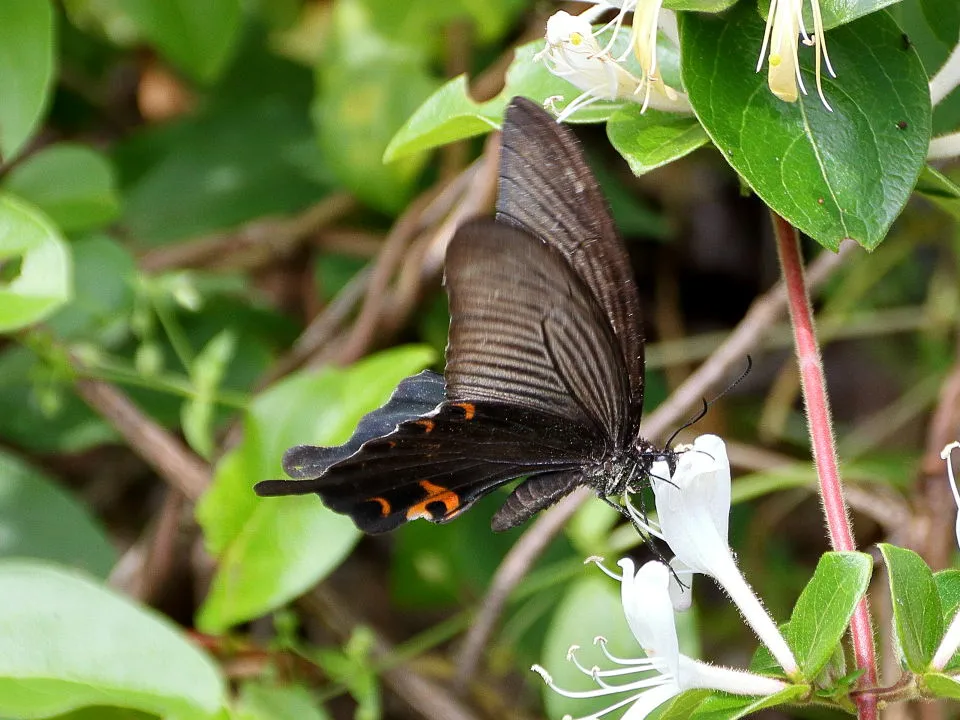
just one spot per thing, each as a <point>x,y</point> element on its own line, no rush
<point>435,494</point>
<point>426,424</point>
<point>384,505</point>
<point>469,409</point>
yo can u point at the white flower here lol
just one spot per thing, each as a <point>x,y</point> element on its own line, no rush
<point>784,26</point>
<point>573,53</point>
<point>693,510</point>
<point>665,672</point>
<point>951,640</point>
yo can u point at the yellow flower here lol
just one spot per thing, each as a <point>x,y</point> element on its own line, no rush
<point>782,36</point>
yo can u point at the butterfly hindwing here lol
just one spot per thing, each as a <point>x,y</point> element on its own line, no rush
<point>414,396</point>
<point>435,466</point>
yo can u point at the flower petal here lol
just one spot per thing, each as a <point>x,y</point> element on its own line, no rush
<point>650,701</point>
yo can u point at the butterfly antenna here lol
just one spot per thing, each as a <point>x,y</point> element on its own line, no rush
<point>707,403</point>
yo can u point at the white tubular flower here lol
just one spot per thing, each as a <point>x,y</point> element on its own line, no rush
<point>784,27</point>
<point>951,640</point>
<point>573,53</point>
<point>664,673</point>
<point>693,510</point>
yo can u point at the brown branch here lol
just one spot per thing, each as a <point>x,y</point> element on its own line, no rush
<point>172,460</point>
<point>426,697</point>
<point>253,244</point>
<point>765,311</point>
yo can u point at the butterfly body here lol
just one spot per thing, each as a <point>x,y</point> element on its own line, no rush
<point>544,375</point>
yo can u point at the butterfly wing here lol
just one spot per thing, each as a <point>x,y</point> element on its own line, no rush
<point>525,330</point>
<point>547,189</point>
<point>434,466</point>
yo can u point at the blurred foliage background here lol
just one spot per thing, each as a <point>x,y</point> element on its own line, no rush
<point>205,260</point>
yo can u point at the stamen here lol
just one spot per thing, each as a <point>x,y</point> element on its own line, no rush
<point>598,561</point>
<point>652,663</point>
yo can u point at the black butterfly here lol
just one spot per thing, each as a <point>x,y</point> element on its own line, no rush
<point>544,372</point>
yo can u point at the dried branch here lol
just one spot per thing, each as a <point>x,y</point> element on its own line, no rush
<point>251,245</point>
<point>173,461</point>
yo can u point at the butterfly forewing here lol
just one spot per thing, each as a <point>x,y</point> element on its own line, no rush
<point>547,188</point>
<point>526,331</point>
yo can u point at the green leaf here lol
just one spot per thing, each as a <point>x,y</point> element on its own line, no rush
<point>245,155</point>
<point>730,707</point>
<point>367,86</point>
<point>43,283</point>
<point>710,6</point>
<point>948,587</point>
<point>197,37</point>
<point>26,421</point>
<point>450,114</point>
<point>68,642</point>
<point>940,685</point>
<point>825,606</point>
<point>943,17</point>
<point>590,608</point>
<point>271,550</point>
<point>940,190</point>
<point>839,174</point>
<point>206,373</point>
<point>684,704</point>
<point>917,614</point>
<point>836,12</point>
<point>41,520</point>
<point>265,702</point>
<point>73,184</point>
<point>652,139</point>
<point>26,70</point>
<point>103,277</point>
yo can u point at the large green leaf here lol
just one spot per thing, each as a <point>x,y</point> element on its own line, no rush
<point>41,520</point>
<point>265,702</point>
<point>26,70</point>
<point>825,606</point>
<point>732,707</point>
<point>943,17</point>
<point>271,550</point>
<point>43,283</point>
<point>368,85</point>
<point>839,174</point>
<point>197,37</point>
<point>652,139</point>
<point>917,613</point>
<point>66,643</point>
<point>73,184</point>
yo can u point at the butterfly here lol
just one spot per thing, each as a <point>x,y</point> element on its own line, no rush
<point>545,369</point>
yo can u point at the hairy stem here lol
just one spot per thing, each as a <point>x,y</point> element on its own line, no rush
<point>824,448</point>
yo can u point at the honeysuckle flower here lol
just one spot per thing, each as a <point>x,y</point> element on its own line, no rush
<point>693,510</point>
<point>573,53</point>
<point>664,672</point>
<point>951,640</point>
<point>782,36</point>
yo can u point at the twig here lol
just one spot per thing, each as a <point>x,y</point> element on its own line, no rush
<point>939,511</point>
<point>253,244</point>
<point>144,569</point>
<point>426,697</point>
<point>172,460</point>
<point>762,314</point>
<point>433,216</point>
<point>823,446</point>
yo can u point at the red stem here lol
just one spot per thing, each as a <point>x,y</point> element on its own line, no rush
<point>824,448</point>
